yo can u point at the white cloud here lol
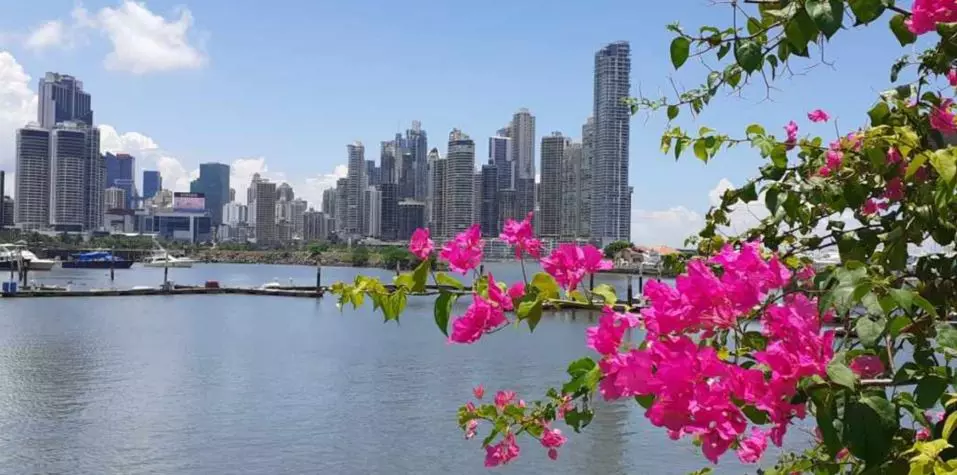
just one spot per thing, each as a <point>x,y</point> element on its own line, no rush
<point>149,156</point>
<point>315,185</point>
<point>669,227</point>
<point>50,34</point>
<point>18,105</point>
<point>145,42</point>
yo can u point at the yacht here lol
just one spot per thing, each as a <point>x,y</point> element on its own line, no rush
<point>96,260</point>
<point>163,259</point>
<point>12,254</point>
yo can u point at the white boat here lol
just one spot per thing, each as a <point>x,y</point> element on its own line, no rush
<point>163,259</point>
<point>12,254</point>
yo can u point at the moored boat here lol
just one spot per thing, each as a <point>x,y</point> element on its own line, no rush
<point>12,254</point>
<point>163,259</point>
<point>96,260</point>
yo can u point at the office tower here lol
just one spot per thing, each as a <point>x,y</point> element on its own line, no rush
<point>232,195</point>
<point>417,143</point>
<point>120,168</point>
<point>488,209</point>
<point>611,203</point>
<point>387,162</point>
<point>500,155</point>
<point>406,171</point>
<point>477,197</point>
<point>284,192</point>
<point>328,206</point>
<point>438,194</point>
<point>32,181</point>
<point>115,198</point>
<point>251,190</point>
<point>390,212</point>
<point>68,163</point>
<point>522,133</point>
<point>342,205</point>
<point>585,177</point>
<point>8,208</point>
<point>153,182</point>
<point>235,214</point>
<point>372,202</point>
<point>355,187</point>
<point>373,173</point>
<point>460,183</point>
<point>213,183</point>
<point>572,225</point>
<point>297,209</point>
<point>61,98</point>
<point>314,226</point>
<point>411,217</point>
<point>262,212</point>
<point>550,198</point>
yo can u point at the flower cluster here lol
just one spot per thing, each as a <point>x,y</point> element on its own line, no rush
<point>791,129</point>
<point>942,117</point>
<point>926,14</point>
<point>421,244</point>
<point>696,391</point>
<point>569,264</point>
<point>519,234</point>
<point>464,253</point>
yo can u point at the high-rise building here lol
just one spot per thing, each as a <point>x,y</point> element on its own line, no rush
<point>585,177</point>
<point>120,169</point>
<point>550,199</point>
<point>8,208</point>
<point>342,205</point>
<point>115,198</point>
<point>235,214</point>
<point>387,159</point>
<point>262,212</point>
<point>297,208</point>
<point>213,182</point>
<point>314,226</point>
<point>61,98</point>
<point>356,184</point>
<point>611,204</point>
<point>522,133</point>
<point>32,184</point>
<point>488,209</point>
<point>411,217</point>
<point>406,171</point>
<point>373,173</point>
<point>417,143</point>
<point>572,224</point>
<point>500,155</point>
<point>251,190</point>
<point>163,199</point>
<point>284,192</point>
<point>68,162</point>
<point>152,182</point>
<point>94,181</point>
<point>460,183</point>
<point>328,206</point>
<point>372,200</point>
<point>232,194</point>
<point>436,208</point>
<point>390,212</point>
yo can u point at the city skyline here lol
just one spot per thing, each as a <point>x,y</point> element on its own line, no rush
<point>265,135</point>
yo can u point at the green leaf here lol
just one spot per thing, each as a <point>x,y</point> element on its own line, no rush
<point>701,150</point>
<point>393,304</point>
<point>915,164</point>
<point>866,11</point>
<point>945,164</point>
<point>420,275</point>
<point>879,113</point>
<point>947,338</point>
<point>903,298</point>
<point>754,340</point>
<point>443,308</point>
<point>672,112</point>
<point>925,305</point>
<point>904,35</point>
<point>865,434</point>
<point>754,129</point>
<point>531,311</point>
<point>824,412</point>
<point>799,31</point>
<point>755,415</point>
<point>771,200</point>
<point>949,425</point>
<point>577,296</point>
<point>779,156</point>
<point>404,280</point>
<point>444,279</point>
<point>546,285</point>
<point>680,47</point>
<point>607,293</point>
<point>577,419</point>
<point>928,392</point>
<point>840,374</point>
<point>826,14</point>
<point>748,55</point>
<point>884,409</point>
<point>645,401</point>
<point>580,366</point>
<point>868,331</point>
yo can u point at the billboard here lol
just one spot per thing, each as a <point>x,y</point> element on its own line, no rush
<point>189,201</point>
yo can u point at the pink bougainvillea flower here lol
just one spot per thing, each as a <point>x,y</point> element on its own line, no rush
<point>470,406</point>
<point>552,439</point>
<point>519,234</point>
<point>942,119</point>
<point>504,398</point>
<point>923,434</point>
<point>497,296</point>
<point>818,115</point>
<point>926,14</point>
<point>564,406</point>
<point>421,245</point>
<point>480,318</point>
<point>503,452</point>
<point>792,130</point>
<point>553,454</point>
<point>478,391</point>
<point>464,253</point>
<point>751,448</point>
<point>517,290</point>
<point>806,273</point>
<point>867,366</point>
<point>606,337</point>
<point>894,158</point>
<point>470,429</point>
<point>872,207</point>
<point>569,264</point>
<point>894,191</point>
<point>935,416</point>
<point>952,77</point>
<point>824,171</point>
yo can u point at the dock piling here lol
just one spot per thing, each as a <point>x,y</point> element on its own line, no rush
<point>630,292</point>
<point>591,282</point>
<point>112,265</point>
<point>318,278</point>
<point>166,277</point>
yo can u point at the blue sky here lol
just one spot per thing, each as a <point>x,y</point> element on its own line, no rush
<point>283,86</point>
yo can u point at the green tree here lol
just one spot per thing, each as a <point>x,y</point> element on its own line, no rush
<point>612,249</point>
<point>360,256</point>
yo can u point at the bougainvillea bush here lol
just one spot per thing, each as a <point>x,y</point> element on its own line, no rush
<point>752,339</point>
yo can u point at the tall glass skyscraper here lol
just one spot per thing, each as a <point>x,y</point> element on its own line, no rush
<point>119,174</point>
<point>61,98</point>
<point>152,182</point>
<point>213,182</point>
<point>611,203</point>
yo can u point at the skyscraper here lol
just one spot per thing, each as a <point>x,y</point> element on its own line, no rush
<point>119,173</point>
<point>152,182</point>
<point>585,177</point>
<point>372,199</point>
<point>329,202</point>
<point>436,208</point>
<point>488,209</point>
<point>251,190</point>
<point>550,199</point>
<point>611,203</point>
<point>390,213</point>
<point>284,192</point>
<point>68,162</point>
<point>522,134</point>
<point>387,159</point>
<point>61,98</point>
<point>356,184</point>
<point>460,183</point>
<point>572,207</point>
<point>342,205</point>
<point>262,212</point>
<point>417,143</point>
<point>32,184</point>
<point>115,198</point>
<point>411,217</point>
<point>213,182</point>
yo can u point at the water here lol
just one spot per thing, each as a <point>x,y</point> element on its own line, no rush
<point>247,384</point>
